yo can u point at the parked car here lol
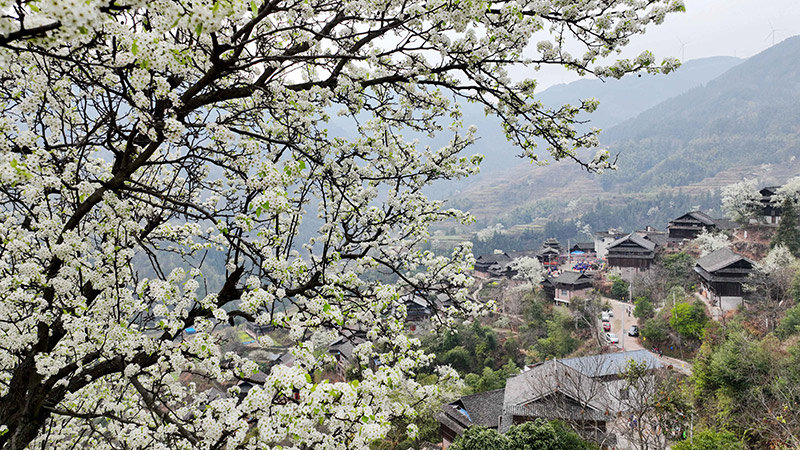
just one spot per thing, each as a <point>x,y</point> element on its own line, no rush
<point>605,316</point>
<point>633,331</point>
<point>612,338</point>
<point>606,326</point>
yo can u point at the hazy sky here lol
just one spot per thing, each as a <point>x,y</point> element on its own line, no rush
<point>709,28</point>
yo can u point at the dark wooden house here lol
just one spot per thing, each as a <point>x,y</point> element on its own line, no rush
<point>417,307</point>
<point>770,209</point>
<point>690,225</point>
<point>722,273</point>
<point>493,265</point>
<point>569,285</point>
<point>632,251</point>
<point>550,253</point>
<point>482,409</point>
<point>548,256</point>
<point>585,248</point>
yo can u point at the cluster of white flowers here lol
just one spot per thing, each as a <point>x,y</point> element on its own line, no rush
<point>708,241</point>
<point>161,164</point>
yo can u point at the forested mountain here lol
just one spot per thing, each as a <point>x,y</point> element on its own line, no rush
<point>742,123</point>
<point>625,98</point>
<point>748,116</point>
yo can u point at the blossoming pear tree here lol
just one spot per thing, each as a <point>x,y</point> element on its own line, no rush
<point>143,139</point>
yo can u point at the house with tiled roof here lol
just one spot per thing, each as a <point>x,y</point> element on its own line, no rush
<point>583,392</point>
<point>722,274</point>
<point>771,211</point>
<point>483,410</point>
<point>566,286</point>
<point>631,251</point>
<point>691,224</point>
<point>493,265</point>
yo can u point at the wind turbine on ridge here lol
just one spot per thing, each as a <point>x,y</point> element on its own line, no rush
<point>772,32</point>
<point>683,49</point>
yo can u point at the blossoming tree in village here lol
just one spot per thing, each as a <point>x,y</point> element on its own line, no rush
<point>144,141</point>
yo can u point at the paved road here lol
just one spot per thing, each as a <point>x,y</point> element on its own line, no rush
<point>626,342</point>
<point>633,343</point>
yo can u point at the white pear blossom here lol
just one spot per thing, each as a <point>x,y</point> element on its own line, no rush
<point>741,201</point>
<point>171,169</point>
<point>708,241</point>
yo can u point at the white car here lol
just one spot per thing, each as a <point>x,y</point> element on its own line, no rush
<point>612,338</point>
<point>605,317</point>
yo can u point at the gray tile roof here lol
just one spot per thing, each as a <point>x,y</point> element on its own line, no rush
<point>719,259</point>
<point>571,277</point>
<point>536,382</point>
<point>493,258</point>
<point>635,238</point>
<point>482,409</point>
<point>702,217</point>
<point>611,363</point>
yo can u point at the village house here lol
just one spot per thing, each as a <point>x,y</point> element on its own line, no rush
<point>417,307</point>
<point>770,210</point>
<point>603,239</point>
<point>550,253</point>
<point>566,286</point>
<point>493,265</point>
<point>722,273</point>
<point>583,392</point>
<point>691,224</point>
<point>483,410</point>
<point>633,252</point>
<point>585,249</point>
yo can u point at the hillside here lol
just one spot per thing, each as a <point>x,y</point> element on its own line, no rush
<point>619,100</point>
<point>627,97</point>
<point>746,117</point>
<point>743,123</point>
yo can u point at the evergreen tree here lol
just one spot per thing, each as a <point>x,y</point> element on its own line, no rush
<point>788,233</point>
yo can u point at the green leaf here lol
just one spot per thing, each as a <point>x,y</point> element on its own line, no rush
<point>134,47</point>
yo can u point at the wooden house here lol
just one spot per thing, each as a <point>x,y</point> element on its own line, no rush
<point>690,225</point>
<point>770,209</point>
<point>550,253</point>
<point>417,307</point>
<point>632,251</point>
<point>493,265</point>
<point>722,273</point>
<point>548,256</point>
<point>569,285</point>
<point>586,247</point>
<point>482,410</point>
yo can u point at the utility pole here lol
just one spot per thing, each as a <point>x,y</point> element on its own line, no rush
<point>622,332</point>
